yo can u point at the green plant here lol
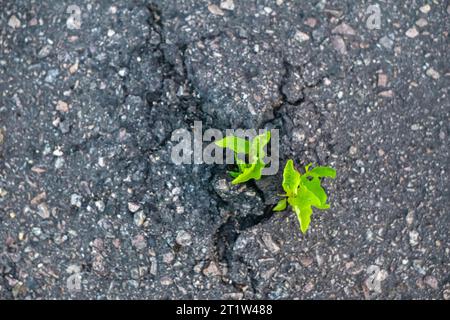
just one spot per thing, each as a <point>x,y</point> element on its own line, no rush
<point>253,149</point>
<point>304,191</point>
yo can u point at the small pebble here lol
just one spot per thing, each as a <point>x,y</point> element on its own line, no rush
<point>382,80</point>
<point>431,282</point>
<point>14,22</point>
<point>344,29</point>
<point>421,22</point>
<point>45,51</point>
<point>413,238</point>
<point>311,22</point>
<point>183,238</point>
<point>133,207</point>
<point>21,236</point>
<point>412,32</point>
<point>227,5</point>
<point>215,10</point>
<point>43,211</point>
<point>308,287</point>
<point>139,242</point>
<point>75,200</point>
<point>59,163</point>
<point>339,44</point>
<point>100,205</point>
<point>166,281</point>
<point>51,75</point>
<point>433,73</point>
<point>64,126</point>
<point>62,106</point>
<point>58,152</point>
<point>386,94</point>
<point>301,36</point>
<point>446,294</point>
<point>153,266</point>
<point>306,261</point>
<point>270,244</point>
<point>123,72</point>
<point>410,218</point>
<point>387,42</point>
<point>168,257</point>
<point>33,22</point>
<point>211,270</point>
<point>425,9</point>
<point>139,218</point>
<point>36,231</point>
<point>39,198</point>
<point>73,68</point>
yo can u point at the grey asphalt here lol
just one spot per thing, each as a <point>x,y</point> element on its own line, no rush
<point>92,207</point>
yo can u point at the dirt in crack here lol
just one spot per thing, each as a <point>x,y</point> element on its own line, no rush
<point>229,231</point>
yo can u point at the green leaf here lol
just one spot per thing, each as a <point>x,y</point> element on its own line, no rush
<point>234,174</point>
<point>304,197</point>
<point>281,205</point>
<point>304,217</point>
<point>240,163</point>
<point>291,178</point>
<point>253,169</point>
<point>305,191</point>
<point>257,146</point>
<point>238,145</point>
<point>252,172</point>
<point>322,172</point>
<point>314,186</point>
<point>302,206</point>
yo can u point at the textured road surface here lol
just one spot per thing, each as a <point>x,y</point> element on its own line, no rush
<point>92,207</point>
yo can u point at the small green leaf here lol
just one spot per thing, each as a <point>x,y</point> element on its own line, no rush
<point>236,144</point>
<point>302,206</point>
<point>281,205</point>
<point>322,172</point>
<point>252,172</point>
<point>240,163</point>
<point>305,191</point>
<point>314,186</point>
<point>291,178</point>
<point>304,197</point>
<point>258,144</point>
<point>234,174</point>
<point>253,169</point>
<point>304,217</point>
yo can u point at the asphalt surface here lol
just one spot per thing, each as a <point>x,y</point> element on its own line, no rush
<point>92,207</point>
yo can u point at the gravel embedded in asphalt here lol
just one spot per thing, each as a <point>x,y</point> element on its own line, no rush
<point>92,207</point>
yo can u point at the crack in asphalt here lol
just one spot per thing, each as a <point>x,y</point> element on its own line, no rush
<point>228,231</point>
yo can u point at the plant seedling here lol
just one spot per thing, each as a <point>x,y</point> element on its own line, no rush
<point>254,149</point>
<point>303,191</point>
